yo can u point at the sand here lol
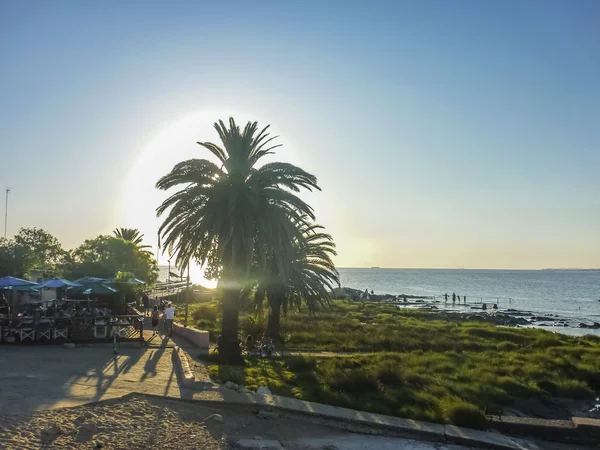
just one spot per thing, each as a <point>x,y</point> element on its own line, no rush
<point>140,422</point>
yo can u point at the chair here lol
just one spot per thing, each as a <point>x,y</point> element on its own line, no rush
<point>61,330</point>
<point>27,333</point>
<point>100,328</point>
<point>44,333</point>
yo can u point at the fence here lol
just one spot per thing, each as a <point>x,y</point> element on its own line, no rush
<point>72,329</point>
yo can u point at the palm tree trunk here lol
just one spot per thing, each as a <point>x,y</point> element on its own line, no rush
<point>229,346</point>
<point>274,325</point>
<point>275,297</point>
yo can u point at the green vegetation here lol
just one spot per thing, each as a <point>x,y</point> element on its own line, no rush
<point>427,369</point>
<point>33,249</point>
<point>237,217</point>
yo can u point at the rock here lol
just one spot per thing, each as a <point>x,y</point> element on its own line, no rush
<point>231,385</point>
<point>87,431</point>
<point>48,434</point>
<point>69,345</point>
<point>267,415</point>
<point>216,418</point>
<point>263,391</point>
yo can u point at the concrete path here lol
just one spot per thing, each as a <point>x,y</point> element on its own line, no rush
<point>33,378</point>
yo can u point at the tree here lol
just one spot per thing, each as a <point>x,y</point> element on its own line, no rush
<point>233,214</point>
<point>132,235</point>
<point>32,249</point>
<point>106,256</point>
<point>310,278</point>
<point>15,260</point>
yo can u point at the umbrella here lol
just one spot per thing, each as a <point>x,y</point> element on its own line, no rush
<point>58,283</point>
<point>97,289</point>
<point>24,288</point>
<point>135,282</point>
<point>87,279</point>
<point>12,281</point>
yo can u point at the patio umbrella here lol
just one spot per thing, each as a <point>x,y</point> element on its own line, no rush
<point>12,281</point>
<point>24,288</point>
<point>87,279</point>
<point>58,283</point>
<point>95,289</point>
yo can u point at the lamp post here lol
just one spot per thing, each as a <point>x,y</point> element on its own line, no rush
<point>6,212</point>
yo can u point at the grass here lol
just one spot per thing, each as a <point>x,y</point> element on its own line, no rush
<point>416,366</point>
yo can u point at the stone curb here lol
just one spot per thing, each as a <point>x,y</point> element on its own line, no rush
<point>181,361</point>
<point>401,427</point>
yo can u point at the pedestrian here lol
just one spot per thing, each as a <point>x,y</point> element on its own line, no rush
<point>446,297</point>
<point>155,320</point>
<point>170,317</point>
<point>146,303</point>
<point>453,298</point>
<point>465,299</point>
<point>458,297</point>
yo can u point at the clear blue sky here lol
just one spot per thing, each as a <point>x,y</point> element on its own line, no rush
<point>443,133</point>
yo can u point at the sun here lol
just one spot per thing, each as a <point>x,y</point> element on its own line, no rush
<point>173,144</point>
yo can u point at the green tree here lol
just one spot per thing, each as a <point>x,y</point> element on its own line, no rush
<point>310,277</point>
<point>15,260</point>
<point>32,249</point>
<point>233,214</point>
<point>132,235</point>
<point>106,256</point>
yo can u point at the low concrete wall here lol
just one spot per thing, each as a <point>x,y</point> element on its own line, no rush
<point>181,361</point>
<point>199,338</point>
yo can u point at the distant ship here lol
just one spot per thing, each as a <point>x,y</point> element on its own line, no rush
<point>375,267</point>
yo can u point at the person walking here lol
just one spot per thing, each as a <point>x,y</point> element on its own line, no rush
<point>170,317</point>
<point>146,303</point>
<point>453,298</point>
<point>446,297</point>
<point>155,320</point>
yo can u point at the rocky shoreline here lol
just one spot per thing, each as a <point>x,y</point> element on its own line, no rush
<point>470,311</point>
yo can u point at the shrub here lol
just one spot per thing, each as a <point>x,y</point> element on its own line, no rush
<point>574,389</point>
<point>463,414</point>
<point>206,313</point>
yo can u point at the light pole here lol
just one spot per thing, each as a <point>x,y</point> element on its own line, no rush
<point>6,212</point>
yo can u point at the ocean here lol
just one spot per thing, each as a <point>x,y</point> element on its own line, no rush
<point>570,294</point>
<point>573,294</point>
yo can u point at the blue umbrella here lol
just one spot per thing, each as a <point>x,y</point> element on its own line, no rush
<point>12,281</point>
<point>58,283</point>
<point>87,279</point>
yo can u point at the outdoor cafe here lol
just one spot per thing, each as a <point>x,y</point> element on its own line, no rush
<point>88,309</point>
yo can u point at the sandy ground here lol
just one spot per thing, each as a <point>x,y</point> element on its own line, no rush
<point>140,422</point>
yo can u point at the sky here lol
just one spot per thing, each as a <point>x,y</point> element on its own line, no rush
<point>461,134</point>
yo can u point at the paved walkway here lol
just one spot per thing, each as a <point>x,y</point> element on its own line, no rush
<point>33,378</point>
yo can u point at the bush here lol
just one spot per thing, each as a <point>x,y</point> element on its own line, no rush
<point>463,414</point>
<point>205,313</point>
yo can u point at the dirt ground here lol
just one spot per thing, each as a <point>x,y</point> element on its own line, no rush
<point>140,422</point>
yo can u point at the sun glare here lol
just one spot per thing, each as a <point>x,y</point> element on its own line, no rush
<point>175,143</point>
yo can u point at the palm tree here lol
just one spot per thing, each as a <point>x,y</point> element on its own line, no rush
<point>228,213</point>
<point>132,235</point>
<point>310,277</point>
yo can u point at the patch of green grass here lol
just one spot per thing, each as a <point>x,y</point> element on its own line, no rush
<point>450,387</point>
<point>415,365</point>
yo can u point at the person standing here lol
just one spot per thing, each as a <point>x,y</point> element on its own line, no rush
<point>453,298</point>
<point>155,320</point>
<point>465,299</point>
<point>446,297</point>
<point>170,317</point>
